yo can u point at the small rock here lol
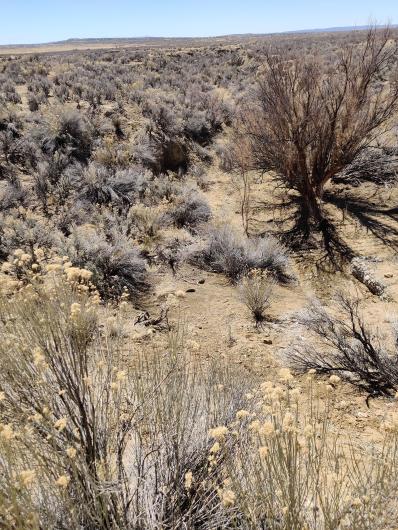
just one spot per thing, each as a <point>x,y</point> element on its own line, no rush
<point>202,281</point>
<point>389,275</point>
<point>267,341</point>
<point>190,290</point>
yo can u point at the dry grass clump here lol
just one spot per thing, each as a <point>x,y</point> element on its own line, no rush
<point>349,346</point>
<point>235,256</point>
<point>256,292</point>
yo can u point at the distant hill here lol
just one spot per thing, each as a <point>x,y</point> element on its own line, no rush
<point>337,28</point>
<point>98,43</point>
<point>233,35</point>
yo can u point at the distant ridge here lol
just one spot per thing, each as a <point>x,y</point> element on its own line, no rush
<point>232,35</point>
<point>98,41</point>
<point>339,28</point>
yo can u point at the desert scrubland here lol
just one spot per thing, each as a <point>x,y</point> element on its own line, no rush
<point>199,284</point>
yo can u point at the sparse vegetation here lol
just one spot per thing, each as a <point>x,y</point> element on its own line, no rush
<point>147,195</point>
<point>235,256</point>
<point>190,210</point>
<point>256,292</point>
<point>349,347</point>
<point>78,422</point>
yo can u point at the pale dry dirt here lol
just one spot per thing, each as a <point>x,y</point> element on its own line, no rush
<point>220,324</point>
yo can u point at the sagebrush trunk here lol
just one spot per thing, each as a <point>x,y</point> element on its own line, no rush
<point>311,214</point>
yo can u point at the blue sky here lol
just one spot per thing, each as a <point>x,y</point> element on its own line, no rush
<point>31,21</point>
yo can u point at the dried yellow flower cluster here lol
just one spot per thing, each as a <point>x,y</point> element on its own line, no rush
<point>71,452</point>
<point>75,310</point>
<point>63,481</point>
<point>218,433</point>
<point>60,424</point>
<point>39,359</point>
<point>188,480</point>
<point>27,477</point>
<point>226,494</point>
<point>6,431</point>
<point>74,274</point>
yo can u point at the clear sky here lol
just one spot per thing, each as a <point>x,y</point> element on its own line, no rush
<point>33,21</point>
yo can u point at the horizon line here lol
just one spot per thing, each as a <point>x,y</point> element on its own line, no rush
<point>332,29</point>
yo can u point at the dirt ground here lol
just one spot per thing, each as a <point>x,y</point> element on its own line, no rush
<point>220,325</point>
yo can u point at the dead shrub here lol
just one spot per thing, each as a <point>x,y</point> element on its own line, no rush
<point>308,122</point>
<point>348,346</point>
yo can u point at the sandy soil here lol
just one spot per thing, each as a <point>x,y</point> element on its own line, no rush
<point>220,324</point>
